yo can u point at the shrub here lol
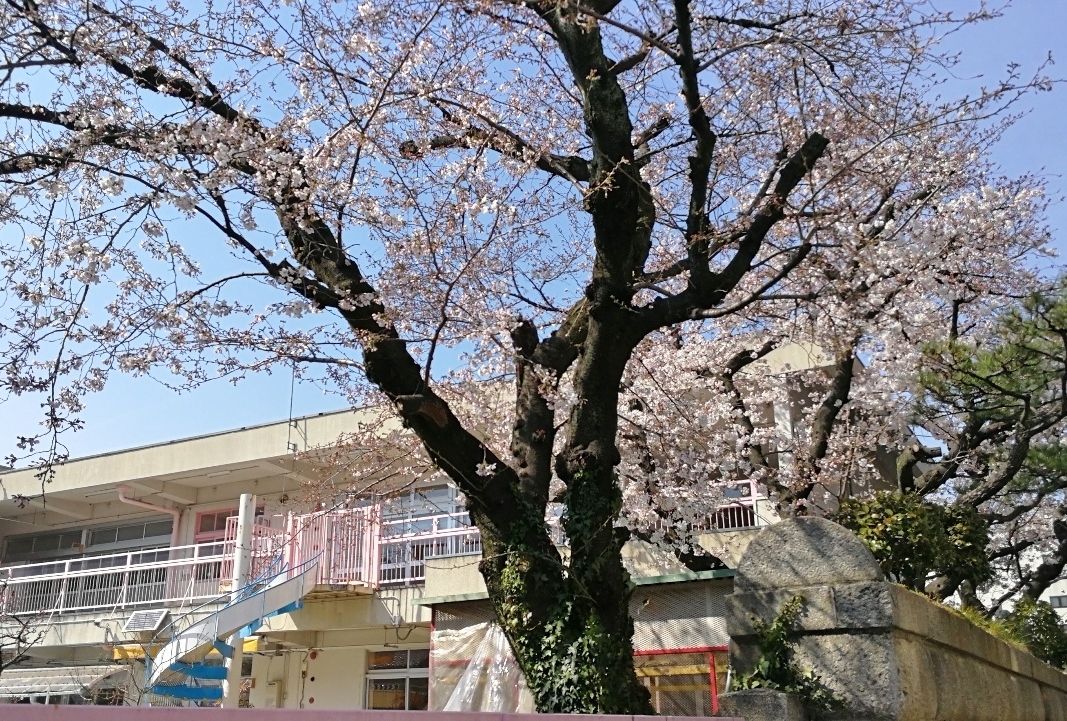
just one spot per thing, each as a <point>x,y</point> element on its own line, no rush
<point>1037,625</point>
<point>911,537</point>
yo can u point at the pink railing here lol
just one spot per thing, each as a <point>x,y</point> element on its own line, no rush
<point>355,547</point>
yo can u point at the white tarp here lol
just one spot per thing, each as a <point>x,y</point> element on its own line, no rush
<point>53,680</point>
<point>474,671</point>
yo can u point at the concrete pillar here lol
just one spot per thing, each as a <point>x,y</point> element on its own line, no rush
<point>242,566</point>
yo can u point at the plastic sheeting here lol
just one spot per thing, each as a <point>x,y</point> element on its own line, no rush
<point>679,639</point>
<point>473,670</point>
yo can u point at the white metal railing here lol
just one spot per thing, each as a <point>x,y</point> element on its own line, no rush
<point>406,544</point>
<point>139,578</point>
<point>741,509</point>
<point>354,547</point>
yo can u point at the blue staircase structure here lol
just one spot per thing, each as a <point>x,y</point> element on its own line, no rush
<point>178,669</point>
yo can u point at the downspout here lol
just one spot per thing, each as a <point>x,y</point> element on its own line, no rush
<point>172,512</point>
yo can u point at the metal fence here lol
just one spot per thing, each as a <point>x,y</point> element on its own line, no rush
<point>123,580</point>
<point>354,547</point>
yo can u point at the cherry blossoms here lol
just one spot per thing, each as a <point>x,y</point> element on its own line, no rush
<point>566,244</point>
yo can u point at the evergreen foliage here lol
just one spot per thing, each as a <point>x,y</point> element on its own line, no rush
<point>912,538</point>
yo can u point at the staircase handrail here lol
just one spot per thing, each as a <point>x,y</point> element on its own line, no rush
<point>232,596</point>
<point>237,598</point>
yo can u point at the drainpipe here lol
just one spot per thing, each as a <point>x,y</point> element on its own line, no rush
<point>172,512</point>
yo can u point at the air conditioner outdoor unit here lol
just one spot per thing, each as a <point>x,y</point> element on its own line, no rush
<point>144,625</point>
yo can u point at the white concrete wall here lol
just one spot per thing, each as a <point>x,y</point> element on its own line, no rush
<point>324,677</point>
<point>1058,588</point>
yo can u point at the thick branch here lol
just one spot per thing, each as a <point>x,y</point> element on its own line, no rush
<point>741,360</point>
<point>696,223</point>
<point>689,303</point>
<point>572,167</point>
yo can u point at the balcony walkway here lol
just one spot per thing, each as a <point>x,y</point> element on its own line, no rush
<point>357,550</point>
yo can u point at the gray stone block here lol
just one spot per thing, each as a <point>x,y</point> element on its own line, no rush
<point>867,605</point>
<point>804,552</point>
<point>762,704</point>
<point>860,669</point>
<point>887,653</point>
<point>743,610</point>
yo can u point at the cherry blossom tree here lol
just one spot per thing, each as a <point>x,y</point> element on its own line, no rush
<point>604,212</point>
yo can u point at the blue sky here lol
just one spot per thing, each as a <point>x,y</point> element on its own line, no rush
<point>1026,34</point>
<point>138,411</point>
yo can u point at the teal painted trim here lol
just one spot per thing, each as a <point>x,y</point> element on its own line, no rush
<point>434,600</point>
<point>224,648</point>
<point>189,693</point>
<point>199,670</point>
<point>688,576</point>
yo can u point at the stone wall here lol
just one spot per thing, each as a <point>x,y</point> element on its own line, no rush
<point>890,654</point>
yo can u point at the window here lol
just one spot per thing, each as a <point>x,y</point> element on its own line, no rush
<point>211,525</point>
<point>398,680</point>
<point>420,524</point>
<point>43,546</point>
<point>97,541</point>
<point>130,532</point>
<point>411,512</point>
<point>1058,601</point>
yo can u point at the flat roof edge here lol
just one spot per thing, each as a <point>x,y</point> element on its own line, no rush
<point>185,439</point>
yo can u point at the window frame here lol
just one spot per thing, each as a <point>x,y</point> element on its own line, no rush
<point>216,536</point>
<point>407,674</point>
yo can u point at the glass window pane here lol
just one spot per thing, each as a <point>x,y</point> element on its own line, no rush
<point>437,493</point>
<point>207,523</point>
<point>220,519</point>
<point>19,545</point>
<point>425,526</point>
<point>131,533</point>
<point>386,694</point>
<point>418,694</point>
<point>158,528</point>
<point>102,535</point>
<point>68,540</point>
<point>420,658</point>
